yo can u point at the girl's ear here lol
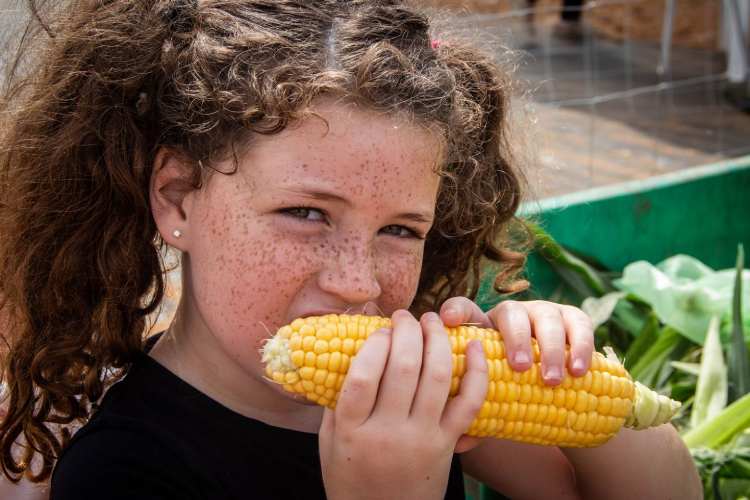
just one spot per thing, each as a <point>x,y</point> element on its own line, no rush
<point>171,197</point>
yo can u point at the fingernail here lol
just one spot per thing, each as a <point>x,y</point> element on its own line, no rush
<point>553,373</point>
<point>578,365</point>
<point>521,357</point>
<point>431,316</point>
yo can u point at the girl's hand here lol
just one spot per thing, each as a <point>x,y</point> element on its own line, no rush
<point>551,324</point>
<point>393,433</point>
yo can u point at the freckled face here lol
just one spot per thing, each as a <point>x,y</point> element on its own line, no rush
<point>311,222</point>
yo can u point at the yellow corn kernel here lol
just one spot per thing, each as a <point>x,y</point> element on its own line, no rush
<point>334,363</point>
<point>348,346</point>
<point>525,393</point>
<point>306,372</point>
<point>582,402</point>
<point>310,359</point>
<point>298,358</point>
<point>319,377</point>
<point>331,379</point>
<point>295,343</point>
<point>604,405</point>
<point>322,361</point>
<point>334,345</point>
<point>308,342</point>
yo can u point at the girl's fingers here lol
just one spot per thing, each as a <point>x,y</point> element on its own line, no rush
<point>460,310</point>
<point>580,337</point>
<point>549,330</point>
<point>463,409</point>
<point>402,370</point>
<point>512,319</point>
<point>437,371</point>
<point>360,389</point>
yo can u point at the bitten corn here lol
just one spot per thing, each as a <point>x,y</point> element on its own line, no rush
<point>311,357</point>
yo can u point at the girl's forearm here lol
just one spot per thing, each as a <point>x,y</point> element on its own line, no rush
<point>652,463</point>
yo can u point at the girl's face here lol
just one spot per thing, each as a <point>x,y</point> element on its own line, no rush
<point>316,220</point>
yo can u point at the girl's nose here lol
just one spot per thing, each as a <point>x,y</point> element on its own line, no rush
<point>351,274</point>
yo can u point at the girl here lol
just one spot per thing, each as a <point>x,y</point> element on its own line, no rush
<point>305,158</point>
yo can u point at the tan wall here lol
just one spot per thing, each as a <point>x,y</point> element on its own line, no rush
<point>695,23</point>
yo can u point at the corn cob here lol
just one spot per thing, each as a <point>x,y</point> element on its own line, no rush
<point>311,357</point>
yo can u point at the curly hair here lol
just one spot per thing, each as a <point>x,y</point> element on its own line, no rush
<point>113,81</point>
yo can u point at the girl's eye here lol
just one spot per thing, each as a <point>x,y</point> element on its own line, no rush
<point>306,213</point>
<point>402,232</point>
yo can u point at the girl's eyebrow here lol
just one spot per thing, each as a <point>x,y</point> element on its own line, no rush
<point>317,194</point>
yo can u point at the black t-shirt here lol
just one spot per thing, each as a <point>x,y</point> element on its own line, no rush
<point>157,437</point>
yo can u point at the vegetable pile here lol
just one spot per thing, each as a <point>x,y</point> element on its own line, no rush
<point>683,329</point>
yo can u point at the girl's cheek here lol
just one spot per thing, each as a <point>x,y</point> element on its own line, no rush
<point>400,278</point>
<point>248,271</point>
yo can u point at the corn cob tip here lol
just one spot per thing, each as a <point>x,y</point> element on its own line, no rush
<point>650,408</point>
<point>275,355</point>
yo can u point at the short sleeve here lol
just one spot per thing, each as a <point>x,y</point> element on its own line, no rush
<point>120,464</point>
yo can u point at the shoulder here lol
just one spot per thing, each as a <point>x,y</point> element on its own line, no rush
<point>521,470</point>
<point>122,459</point>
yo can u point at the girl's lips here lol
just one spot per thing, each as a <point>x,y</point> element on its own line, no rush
<point>368,309</point>
<point>320,313</point>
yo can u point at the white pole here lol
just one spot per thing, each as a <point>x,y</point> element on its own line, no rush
<point>735,15</point>
<point>666,37</point>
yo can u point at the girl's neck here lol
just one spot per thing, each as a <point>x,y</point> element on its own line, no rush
<point>192,354</point>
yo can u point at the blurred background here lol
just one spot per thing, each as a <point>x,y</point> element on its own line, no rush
<point>621,89</point>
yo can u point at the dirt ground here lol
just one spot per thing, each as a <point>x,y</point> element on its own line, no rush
<point>695,22</point>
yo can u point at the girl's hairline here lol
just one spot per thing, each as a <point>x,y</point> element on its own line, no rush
<point>244,140</point>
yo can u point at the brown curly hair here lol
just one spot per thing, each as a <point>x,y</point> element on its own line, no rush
<point>112,81</point>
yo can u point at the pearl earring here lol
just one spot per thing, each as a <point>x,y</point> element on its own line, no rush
<point>177,233</point>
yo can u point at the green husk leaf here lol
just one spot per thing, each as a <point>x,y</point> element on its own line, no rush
<point>741,440</point>
<point>643,343</point>
<point>576,273</point>
<point>739,368</point>
<point>734,489</point>
<point>723,427</point>
<point>739,467</point>
<point>689,368</point>
<point>631,314</point>
<point>647,354</point>
<point>725,472</point>
<point>711,389</point>
<point>601,309</point>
